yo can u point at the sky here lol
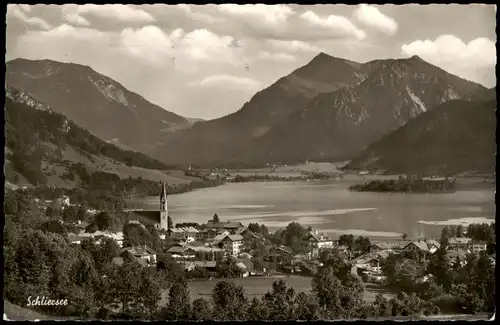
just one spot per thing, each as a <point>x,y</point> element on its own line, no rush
<point>206,61</point>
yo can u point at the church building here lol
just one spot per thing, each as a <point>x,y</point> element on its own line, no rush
<point>159,218</point>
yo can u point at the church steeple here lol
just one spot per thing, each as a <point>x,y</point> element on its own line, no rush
<point>163,207</point>
<point>163,196</point>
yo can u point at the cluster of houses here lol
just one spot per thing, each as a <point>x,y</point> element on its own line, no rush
<point>369,264</point>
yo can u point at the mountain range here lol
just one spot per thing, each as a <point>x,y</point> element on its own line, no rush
<point>93,101</point>
<point>331,109</point>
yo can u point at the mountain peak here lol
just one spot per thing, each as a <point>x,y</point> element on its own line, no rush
<point>322,57</point>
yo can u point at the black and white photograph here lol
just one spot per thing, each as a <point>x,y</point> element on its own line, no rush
<point>250,162</point>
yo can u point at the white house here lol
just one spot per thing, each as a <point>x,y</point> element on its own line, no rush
<point>118,236</point>
<point>144,255</point>
<point>231,243</point>
<point>63,200</point>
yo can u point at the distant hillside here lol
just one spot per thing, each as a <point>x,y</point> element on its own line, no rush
<point>329,109</point>
<point>457,136</point>
<point>94,101</point>
<point>41,145</point>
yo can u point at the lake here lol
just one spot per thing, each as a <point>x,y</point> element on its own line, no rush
<point>331,208</point>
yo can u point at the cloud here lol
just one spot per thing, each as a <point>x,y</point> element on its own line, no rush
<point>279,57</point>
<point>372,17</point>
<point>65,31</point>
<point>70,15</point>
<point>125,13</point>
<point>19,12</point>
<point>224,80</point>
<point>201,45</point>
<point>259,13</point>
<point>294,46</point>
<point>452,54</point>
<point>26,8</point>
<point>337,25</point>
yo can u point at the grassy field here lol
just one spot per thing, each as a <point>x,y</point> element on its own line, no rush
<point>290,171</point>
<point>259,286</point>
<point>105,164</point>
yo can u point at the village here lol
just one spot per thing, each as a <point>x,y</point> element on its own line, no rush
<point>199,249</point>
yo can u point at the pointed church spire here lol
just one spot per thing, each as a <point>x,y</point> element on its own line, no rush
<point>163,194</point>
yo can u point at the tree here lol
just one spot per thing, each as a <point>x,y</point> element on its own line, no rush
<point>328,291</point>
<point>362,244</point>
<point>306,307</point>
<point>169,268</point>
<point>170,224</point>
<point>407,305</point>
<point>178,307</point>
<point>201,310</point>
<point>453,231</point>
<point>280,301</point>
<point>70,214</point>
<point>445,236</point>
<point>136,290</point>
<point>91,228</point>
<point>439,267</point>
<point>258,310</point>
<point>216,218</point>
<point>55,226</point>
<point>103,221</point>
<point>136,235</point>
<point>50,212</point>
<point>347,240</point>
<point>227,268</point>
<point>81,213</point>
<point>230,301</point>
<point>405,236</point>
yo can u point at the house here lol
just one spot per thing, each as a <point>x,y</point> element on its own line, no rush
<point>246,255</point>
<point>75,239</point>
<point>493,259</point>
<point>416,246</point>
<point>377,247</point>
<point>247,262</point>
<point>82,225</point>
<point>478,246</point>
<point>278,254</point>
<point>137,222</point>
<point>189,234</point>
<point>458,243</point>
<point>231,243</point>
<point>182,252</point>
<point>393,246</point>
<point>207,234</point>
<point>63,200</point>
<point>317,242</point>
<point>207,265</point>
<point>243,268</point>
<point>247,233</point>
<point>432,244</point>
<point>98,235</point>
<point>142,254</point>
<point>232,227</point>
<point>456,254</point>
